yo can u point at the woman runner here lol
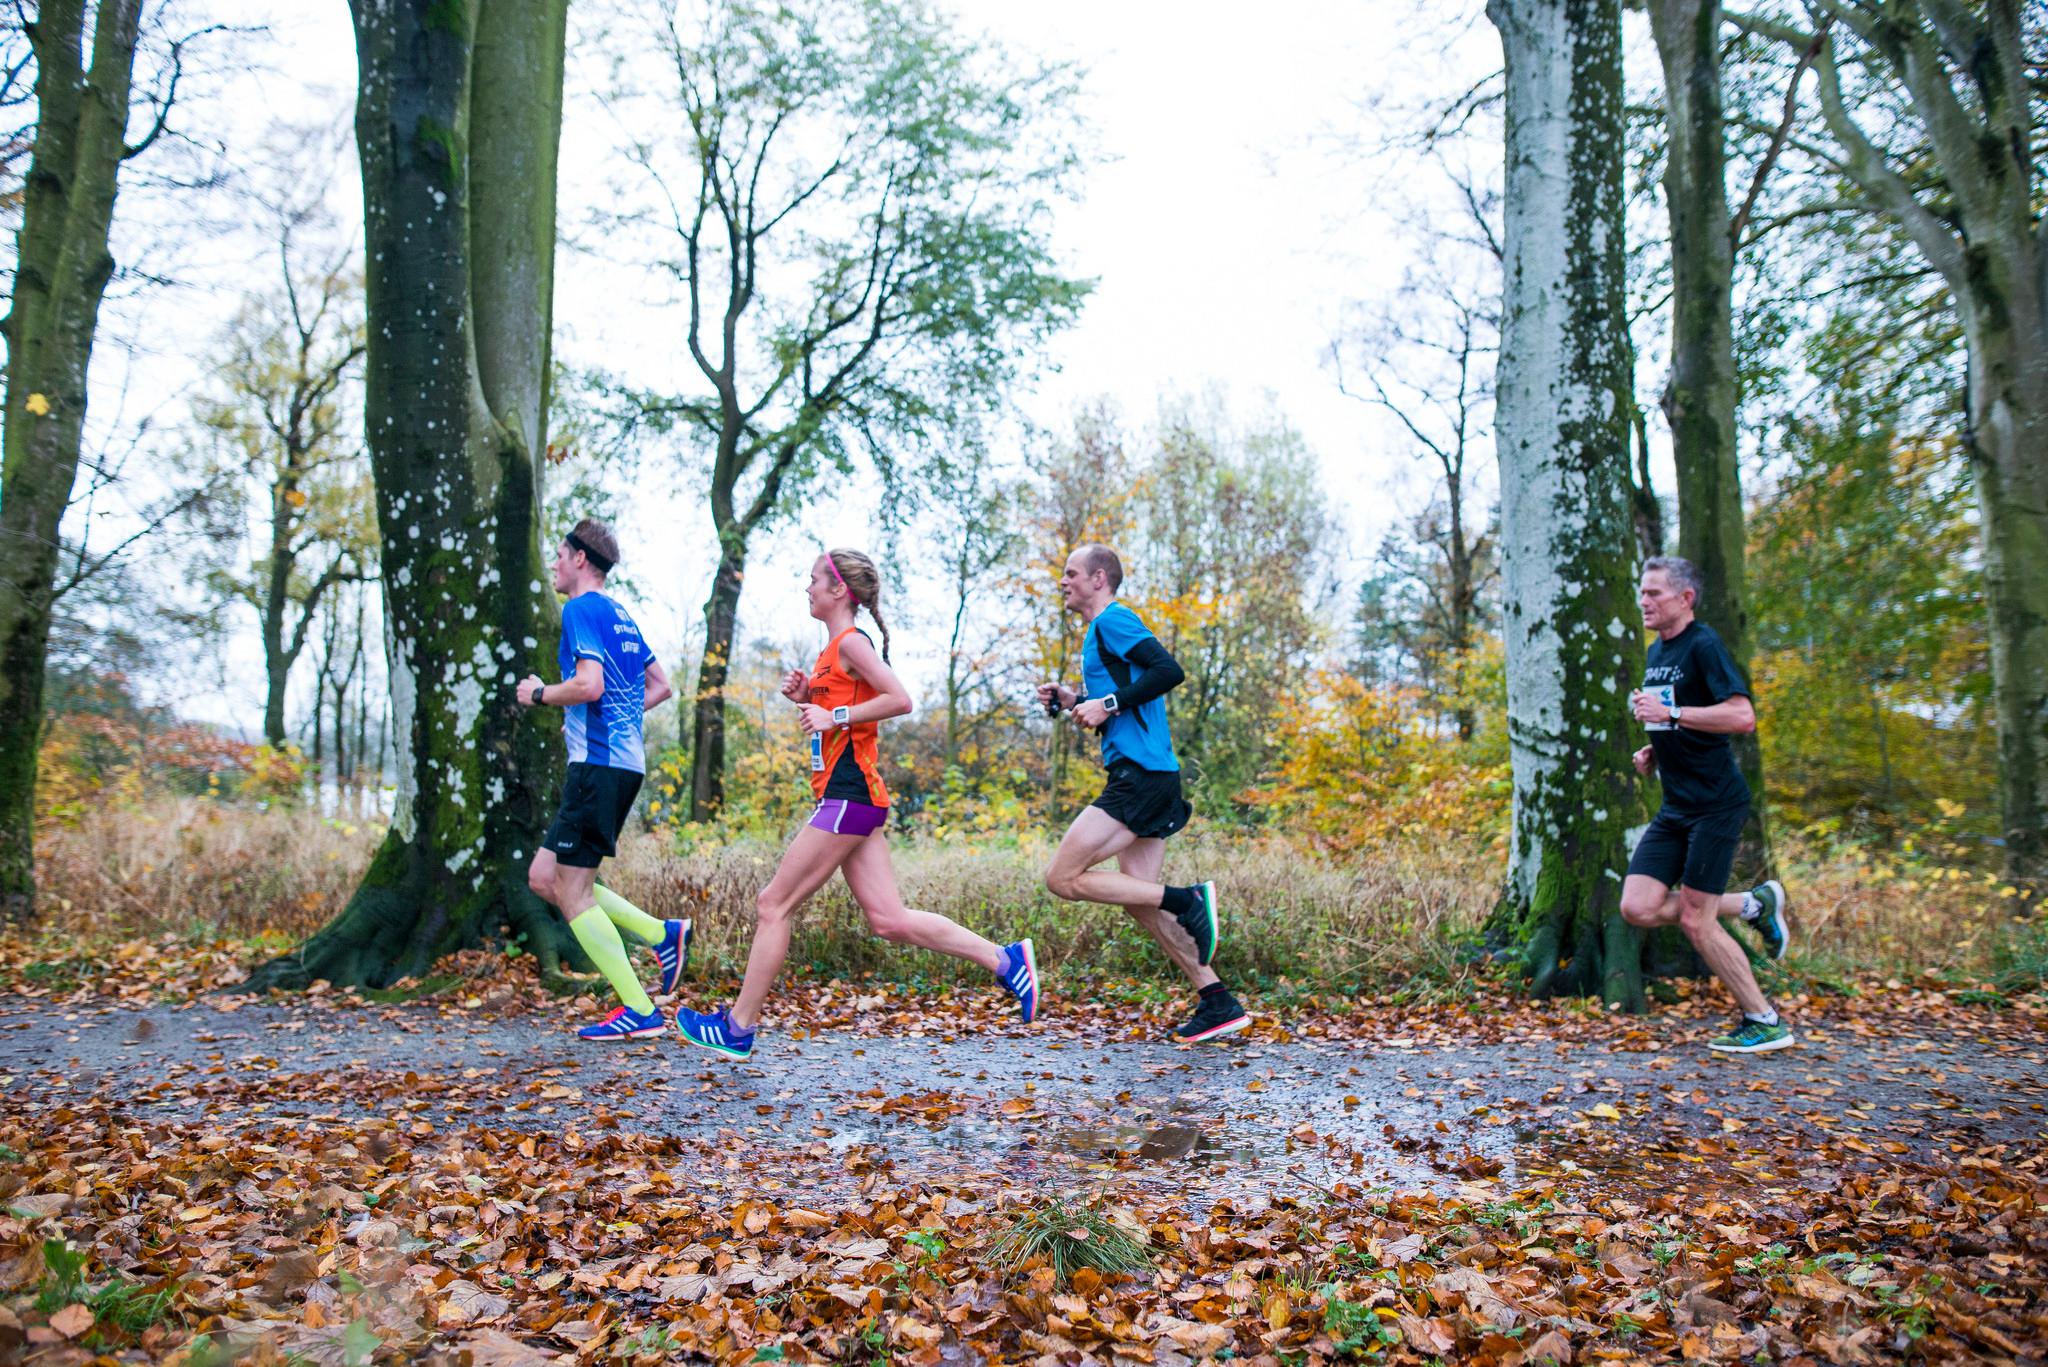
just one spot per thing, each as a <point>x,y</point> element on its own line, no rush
<point>839,704</point>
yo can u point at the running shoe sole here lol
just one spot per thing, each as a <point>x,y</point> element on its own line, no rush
<point>719,1049</point>
<point>1229,1027</point>
<point>1782,1042</point>
<point>1784,923</point>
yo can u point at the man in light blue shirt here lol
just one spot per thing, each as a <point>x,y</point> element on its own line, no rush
<point>1125,676</point>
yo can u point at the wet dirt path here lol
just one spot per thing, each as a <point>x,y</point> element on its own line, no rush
<point>1236,1119</point>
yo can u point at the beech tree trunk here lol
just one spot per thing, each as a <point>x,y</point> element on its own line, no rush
<point>458,119</point>
<point>1965,78</point>
<point>63,264</point>
<point>1565,400</point>
<point>1700,398</point>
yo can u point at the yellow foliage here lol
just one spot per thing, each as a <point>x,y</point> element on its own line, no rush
<point>1363,763</point>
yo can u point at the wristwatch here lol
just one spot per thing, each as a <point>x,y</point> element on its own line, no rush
<point>1674,714</point>
<point>538,691</point>
<point>1109,703</point>
<point>842,716</point>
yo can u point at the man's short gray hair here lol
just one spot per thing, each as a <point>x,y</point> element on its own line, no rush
<point>1682,574</point>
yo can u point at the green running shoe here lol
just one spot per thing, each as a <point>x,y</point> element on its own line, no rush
<point>1769,922</point>
<point>1753,1037</point>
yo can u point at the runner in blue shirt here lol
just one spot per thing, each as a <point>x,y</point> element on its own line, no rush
<point>1125,675</point>
<point>610,680</point>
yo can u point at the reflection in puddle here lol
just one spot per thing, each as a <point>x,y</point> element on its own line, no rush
<point>1182,1146</point>
<point>1166,1143</point>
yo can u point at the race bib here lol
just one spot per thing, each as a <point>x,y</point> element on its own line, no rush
<point>1662,693</point>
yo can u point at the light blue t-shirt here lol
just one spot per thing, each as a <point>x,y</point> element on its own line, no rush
<point>1137,734</point>
<point>608,731</point>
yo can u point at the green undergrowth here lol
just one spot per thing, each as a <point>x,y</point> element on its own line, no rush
<point>120,1308</point>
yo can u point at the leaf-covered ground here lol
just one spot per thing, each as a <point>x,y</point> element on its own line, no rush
<point>188,1177</point>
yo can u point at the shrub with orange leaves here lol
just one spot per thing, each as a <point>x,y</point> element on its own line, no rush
<point>93,759</point>
<point>1361,763</point>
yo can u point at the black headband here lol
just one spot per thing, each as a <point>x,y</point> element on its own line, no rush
<point>598,558</point>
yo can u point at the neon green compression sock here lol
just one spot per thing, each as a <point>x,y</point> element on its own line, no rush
<point>600,940</point>
<point>628,917</point>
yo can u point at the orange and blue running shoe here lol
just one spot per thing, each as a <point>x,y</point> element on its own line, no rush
<point>673,953</point>
<point>624,1023</point>
<point>714,1031</point>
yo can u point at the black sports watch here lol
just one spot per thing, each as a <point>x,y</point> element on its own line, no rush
<point>539,694</point>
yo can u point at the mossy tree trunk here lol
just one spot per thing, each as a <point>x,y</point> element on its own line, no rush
<point>62,266</point>
<point>1565,404</point>
<point>458,119</point>
<point>1700,398</point>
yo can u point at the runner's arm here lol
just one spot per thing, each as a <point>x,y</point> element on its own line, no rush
<point>1729,717</point>
<point>858,656</point>
<point>1158,673</point>
<point>658,690</point>
<point>585,685</point>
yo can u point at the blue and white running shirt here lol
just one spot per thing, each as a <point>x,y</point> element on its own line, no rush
<point>610,730</point>
<point>1136,733</point>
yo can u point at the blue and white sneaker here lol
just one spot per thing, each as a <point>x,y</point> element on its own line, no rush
<point>715,1032</point>
<point>1021,979</point>
<point>624,1023</point>
<point>674,954</point>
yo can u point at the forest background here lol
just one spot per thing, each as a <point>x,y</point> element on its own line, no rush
<point>1321,554</point>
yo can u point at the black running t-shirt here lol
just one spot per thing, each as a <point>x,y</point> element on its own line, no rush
<point>1693,669</point>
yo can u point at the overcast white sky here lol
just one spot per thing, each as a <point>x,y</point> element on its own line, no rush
<point>1226,236</point>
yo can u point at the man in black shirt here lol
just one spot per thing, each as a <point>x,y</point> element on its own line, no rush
<point>1692,699</point>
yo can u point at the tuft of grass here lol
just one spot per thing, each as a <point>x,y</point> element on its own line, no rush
<point>412,989</point>
<point>2019,962</point>
<point>129,1308</point>
<point>1067,1236</point>
<point>120,1305</point>
<point>1980,996</point>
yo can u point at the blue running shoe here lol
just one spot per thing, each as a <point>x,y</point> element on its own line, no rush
<point>674,954</point>
<point>624,1023</point>
<point>1021,978</point>
<point>715,1032</point>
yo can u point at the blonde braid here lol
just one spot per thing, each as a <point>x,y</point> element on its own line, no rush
<point>864,582</point>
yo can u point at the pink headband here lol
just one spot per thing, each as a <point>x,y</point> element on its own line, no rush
<point>835,570</point>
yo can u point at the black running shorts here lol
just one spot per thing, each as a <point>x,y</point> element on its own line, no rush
<point>595,802</point>
<point>1697,852</point>
<point>1147,801</point>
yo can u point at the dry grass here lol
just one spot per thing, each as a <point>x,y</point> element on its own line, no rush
<point>1288,915</point>
<point>198,866</point>
<point>203,869</point>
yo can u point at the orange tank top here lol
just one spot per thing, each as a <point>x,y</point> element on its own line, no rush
<point>845,761</point>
